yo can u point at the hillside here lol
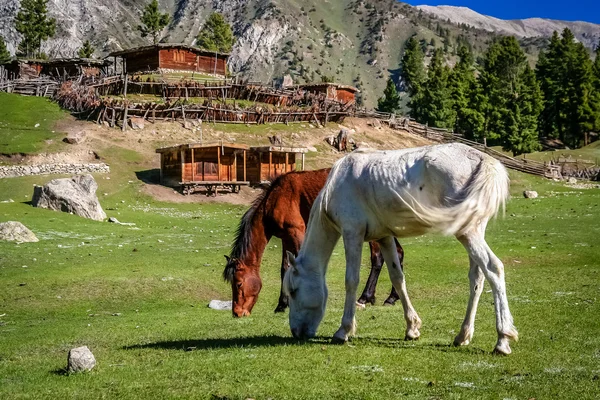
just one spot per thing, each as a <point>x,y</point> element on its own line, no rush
<point>357,42</point>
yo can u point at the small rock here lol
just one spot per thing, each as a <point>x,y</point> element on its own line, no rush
<point>530,194</point>
<point>572,181</point>
<point>113,220</point>
<point>188,125</point>
<point>136,122</point>
<point>80,359</point>
<point>37,125</point>
<point>7,201</point>
<point>75,138</point>
<point>220,305</point>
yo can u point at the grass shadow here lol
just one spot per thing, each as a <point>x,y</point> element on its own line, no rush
<point>218,343</point>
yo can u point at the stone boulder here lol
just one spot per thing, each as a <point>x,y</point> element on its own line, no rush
<point>530,194</point>
<point>75,138</point>
<point>136,123</point>
<point>80,359</point>
<point>76,195</point>
<point>16,231</point>
<point>220,305</point>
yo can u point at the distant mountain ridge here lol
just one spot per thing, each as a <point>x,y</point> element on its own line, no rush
<point>586,32</point>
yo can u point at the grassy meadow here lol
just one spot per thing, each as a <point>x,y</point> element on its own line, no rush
<point>137,297</point>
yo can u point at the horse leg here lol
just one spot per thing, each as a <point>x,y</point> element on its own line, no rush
<point>393,297</point>
<point>390,255</point>
<point>291,244</point>
<point>493,270</point>
<point>368,294</point>
<point>353,247</point>
<point>476,287</point>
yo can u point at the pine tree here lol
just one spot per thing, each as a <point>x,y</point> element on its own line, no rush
<point>153,21</point>
<point>4,54</point>
<point>595,100</point>
<point>216,34</point>
<point>33,23</point>
<point>565,74</point>
<point>413,75</point>
<point>86,51</point>
<point>436,103</point>
<point>390,102</point>
<point>461,82</point>
<point>513,98</point>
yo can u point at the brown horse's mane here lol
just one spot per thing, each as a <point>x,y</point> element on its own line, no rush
<point>243,234</point>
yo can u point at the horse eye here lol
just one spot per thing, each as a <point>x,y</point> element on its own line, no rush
<point>238,285</point>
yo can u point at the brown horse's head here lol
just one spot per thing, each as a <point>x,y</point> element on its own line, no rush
<point>245,286</point>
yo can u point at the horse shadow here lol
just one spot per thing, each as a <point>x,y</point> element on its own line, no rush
<point>225,343</point>
<point>273,340</point>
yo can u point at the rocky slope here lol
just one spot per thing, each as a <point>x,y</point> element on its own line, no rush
<point>357,42</point>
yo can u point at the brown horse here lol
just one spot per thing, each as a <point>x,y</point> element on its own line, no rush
<point>282,211</point>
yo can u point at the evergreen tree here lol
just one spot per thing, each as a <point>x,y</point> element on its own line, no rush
<point>216,34</point>
<point>33,24</point>
<point>413,74</point>
<point>153,21</point>
<point>596,90</point>
<point>436,103</point>
<point>565,74</point>
<point>390,100</point>
<point>461,82</point>
<point>86,51</point>
<point>512,96</point>
<point>4,54</point>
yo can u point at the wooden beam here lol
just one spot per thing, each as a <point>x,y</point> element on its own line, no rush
<point>234,168</point>
<point>219,163</point>
<point>285,167</point>
<point>270,163</point>
<point>182,155</point>
<point>302,161</point>
<point>245,166</point>
<point>193,166</point>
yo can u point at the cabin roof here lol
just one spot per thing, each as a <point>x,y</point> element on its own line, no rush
<point>327,84</point>
<point>90,62</point>
<point>279,149</point>
<point>202,146</point>
<point>158,46</point>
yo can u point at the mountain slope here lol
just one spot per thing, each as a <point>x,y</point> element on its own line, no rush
<point>586,32</point>
<point>356,42</point>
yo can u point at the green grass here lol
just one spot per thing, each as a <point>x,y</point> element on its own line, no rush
<point>18,117</point>
<point>62,292</point>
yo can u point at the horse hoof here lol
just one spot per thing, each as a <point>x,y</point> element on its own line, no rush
<point>361,306</point>
<point>337,340</point>
<point>457,342</point>
<point>412,335</point>
<point>279,309</point>
<point>502,350</point>
<point>389,303</point>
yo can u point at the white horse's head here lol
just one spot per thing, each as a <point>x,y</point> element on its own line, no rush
<point>307,298</point>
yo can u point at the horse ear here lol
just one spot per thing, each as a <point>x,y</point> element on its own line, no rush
<point>291,259</point>
<point>227,258</point>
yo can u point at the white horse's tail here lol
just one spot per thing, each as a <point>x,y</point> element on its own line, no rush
<point>486,191</point>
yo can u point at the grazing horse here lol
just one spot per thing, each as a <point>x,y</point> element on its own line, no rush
<point>282,210</point>
<point>378,195</point>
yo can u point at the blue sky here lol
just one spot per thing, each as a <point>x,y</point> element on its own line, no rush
<point>573,10</point>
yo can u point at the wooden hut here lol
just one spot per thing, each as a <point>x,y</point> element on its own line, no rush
<point>75,67</point>
<point>332,91</point>
<point>266,163</point>
<point>210,166</point>
<point>23,69</point>
<point>172,57</point>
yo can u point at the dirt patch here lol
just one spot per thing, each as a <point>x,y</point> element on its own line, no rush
<point>162,193</point>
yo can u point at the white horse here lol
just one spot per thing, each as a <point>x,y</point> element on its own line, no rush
<point>377,195</point>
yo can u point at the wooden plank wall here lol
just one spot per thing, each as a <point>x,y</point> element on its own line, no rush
<point>171,168</point>
<point>185,60</point>
<point>146,60</point>
<point>205,165</point>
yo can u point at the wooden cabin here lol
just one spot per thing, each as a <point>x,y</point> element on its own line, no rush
<point>23,69</point>
<point>266,163</point>
<point>75,67</point>
<point>211,166</point>
<point>224,165</point>
<point>332,91</point>
<point>171,57</point>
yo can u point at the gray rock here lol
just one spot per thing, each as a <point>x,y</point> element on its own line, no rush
<point>136,122</point>
<point>16,231</point>
<point>220,305</point>
<point>75,138</point>
<point>76,195</point>
<point>113,220</point>
<point>530,194</point>
<point>80,359</point>
<point>572,180</point>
